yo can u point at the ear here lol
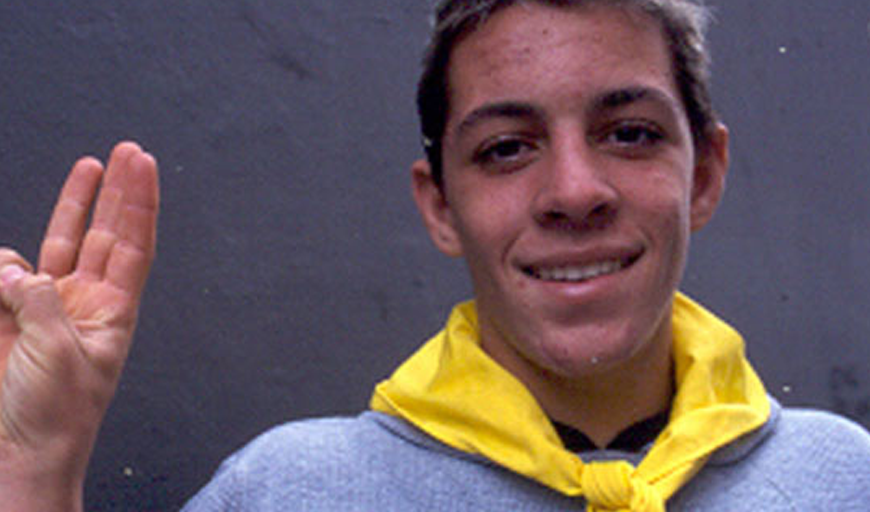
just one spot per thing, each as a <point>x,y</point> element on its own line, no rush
<point>434,209</point>
<point>708,182</point>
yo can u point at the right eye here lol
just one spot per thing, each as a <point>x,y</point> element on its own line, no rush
<point>504,153</point>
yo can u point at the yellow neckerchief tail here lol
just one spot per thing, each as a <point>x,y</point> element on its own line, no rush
<point>453,391</point>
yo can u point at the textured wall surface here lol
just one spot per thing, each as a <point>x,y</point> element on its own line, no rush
<point>293,272</point>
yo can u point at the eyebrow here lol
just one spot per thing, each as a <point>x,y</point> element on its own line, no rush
<point>504,109</point>
<point>618,98</point>
<point>606,101</point>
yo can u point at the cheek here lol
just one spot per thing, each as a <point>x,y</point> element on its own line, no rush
<point>673,235</point>
<point>488,227</point>
<point>482,234</point>
<point>662,210</point>
<point>487,219</point>
<point>666,197</point>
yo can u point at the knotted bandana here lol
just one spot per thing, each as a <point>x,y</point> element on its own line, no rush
<point>455,392</point>
<point>611,486</point>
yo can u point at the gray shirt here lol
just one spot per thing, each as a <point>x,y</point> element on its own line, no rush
<point>800,460</point>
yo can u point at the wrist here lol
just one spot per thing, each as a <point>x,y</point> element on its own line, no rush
<point>27,485</point>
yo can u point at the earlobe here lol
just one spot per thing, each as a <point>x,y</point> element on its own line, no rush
<point>708,182</point>
<point>434,209</point>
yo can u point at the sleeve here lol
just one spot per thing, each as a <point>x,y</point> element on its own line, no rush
<point>224,492</point>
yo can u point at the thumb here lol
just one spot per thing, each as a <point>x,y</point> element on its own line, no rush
<point>34,302</point>
<point>43,450</point>
<point>41,360</point>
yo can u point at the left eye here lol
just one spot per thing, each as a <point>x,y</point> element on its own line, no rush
<point>633,135</point>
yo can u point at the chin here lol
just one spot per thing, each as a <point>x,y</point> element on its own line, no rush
<point>568,363</point>
<point>588,350</point>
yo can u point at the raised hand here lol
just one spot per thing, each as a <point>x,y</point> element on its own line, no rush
<point>65,330</point>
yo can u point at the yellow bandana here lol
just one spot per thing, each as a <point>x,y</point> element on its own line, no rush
<point>453,391</point>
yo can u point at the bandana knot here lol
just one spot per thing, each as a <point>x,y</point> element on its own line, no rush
<point>611,487</point>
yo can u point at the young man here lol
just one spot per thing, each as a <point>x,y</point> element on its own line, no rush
<point>571,151</point>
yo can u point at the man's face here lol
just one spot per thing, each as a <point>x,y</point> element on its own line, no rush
<point>570,186</point>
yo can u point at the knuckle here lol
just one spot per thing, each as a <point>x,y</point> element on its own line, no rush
<point>35,287</point>
<point>100,239</point>
<point>11,276</point>
<point>54,249</point>
<point>26,295</point>
<point>9,256</point>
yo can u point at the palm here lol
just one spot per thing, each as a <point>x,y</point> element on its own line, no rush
<point>94,311</point>
<point>62,346</point>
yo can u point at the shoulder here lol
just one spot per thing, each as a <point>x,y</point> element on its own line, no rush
<point>369,462</point>
<point>333,464</point>
<point>299,443</point>
<point>833,443</point>
<point>801,433</point>
<point>814,422</point>
<point>801,460</point>
<point>291,461</point>
<point>816,458</point>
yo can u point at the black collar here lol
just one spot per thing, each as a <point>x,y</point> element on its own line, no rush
<point>632,439</point>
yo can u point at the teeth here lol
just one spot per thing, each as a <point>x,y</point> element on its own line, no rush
<point>577,274</point>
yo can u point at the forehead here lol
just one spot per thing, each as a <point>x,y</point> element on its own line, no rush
<point>530,50</point>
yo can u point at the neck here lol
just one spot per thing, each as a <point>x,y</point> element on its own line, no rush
<point>604,403</point>
<point>603,406</point>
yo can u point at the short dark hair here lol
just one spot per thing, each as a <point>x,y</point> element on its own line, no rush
<point>684,24</point>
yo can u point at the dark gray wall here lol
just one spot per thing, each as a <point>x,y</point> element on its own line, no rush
<point>293,272</point>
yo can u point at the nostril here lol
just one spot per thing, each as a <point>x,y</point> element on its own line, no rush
<point>576,203</point>
<point>602,210</point>
<point>597,218</point>
<point>555,215</point>
<point>600,216</point>
<point>554,219</point>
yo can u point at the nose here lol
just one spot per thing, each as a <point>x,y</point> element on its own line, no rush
<point>574,189</point>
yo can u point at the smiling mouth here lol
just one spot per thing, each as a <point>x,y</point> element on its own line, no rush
<point>579,273</point>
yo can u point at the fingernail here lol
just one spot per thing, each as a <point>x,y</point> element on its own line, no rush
<point>10,274</point>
